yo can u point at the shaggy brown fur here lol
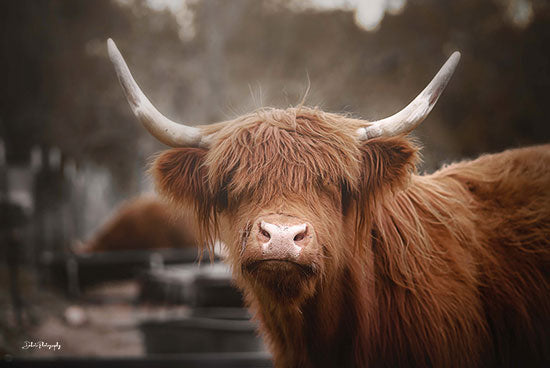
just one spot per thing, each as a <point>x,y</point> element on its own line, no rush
<point>144,223</point>
<point>445,270</point>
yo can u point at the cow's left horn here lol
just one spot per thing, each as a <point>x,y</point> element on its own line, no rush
<point>162,128</point>
<point>415,112</point>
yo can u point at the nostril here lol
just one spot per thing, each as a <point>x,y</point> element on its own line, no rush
<point>299,237</point>
<point>265,233</point>
<point>283,235</point>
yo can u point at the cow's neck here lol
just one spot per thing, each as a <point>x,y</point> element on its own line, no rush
<point>311,334</point>
<point>423,249</point>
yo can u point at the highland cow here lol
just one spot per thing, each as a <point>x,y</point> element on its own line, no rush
<point>143,223</point>
<point>346,256</point>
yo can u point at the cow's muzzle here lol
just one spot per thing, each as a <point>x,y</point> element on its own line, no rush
<point>279,241</point>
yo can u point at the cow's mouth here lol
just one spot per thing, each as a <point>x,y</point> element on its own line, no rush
<point>284,278</point>
<point>278,266</point>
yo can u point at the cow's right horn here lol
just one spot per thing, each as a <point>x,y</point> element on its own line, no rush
<point>165,130</point>
<point>415,112</point>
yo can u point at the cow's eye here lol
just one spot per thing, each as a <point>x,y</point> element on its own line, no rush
<point>346,199</point>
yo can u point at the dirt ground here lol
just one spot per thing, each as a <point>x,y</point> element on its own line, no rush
<point>102,322</point>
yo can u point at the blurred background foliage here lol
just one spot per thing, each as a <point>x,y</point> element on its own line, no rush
<point>202,61</point>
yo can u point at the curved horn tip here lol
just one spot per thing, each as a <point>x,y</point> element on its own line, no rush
<point>416,111</point>
<point>115,55</point>
<point>456,55</point>
<point>453,60</point>
<point>111,48</point>
<point>165,130</point>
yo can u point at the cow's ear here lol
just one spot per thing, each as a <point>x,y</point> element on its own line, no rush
<point>180,175</point>
<point>387,163</point>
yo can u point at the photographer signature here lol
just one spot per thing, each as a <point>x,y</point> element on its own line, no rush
<point>41,345</point>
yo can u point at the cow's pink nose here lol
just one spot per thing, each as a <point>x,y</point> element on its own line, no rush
<point>284,236</point>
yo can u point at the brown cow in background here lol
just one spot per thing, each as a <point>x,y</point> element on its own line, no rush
<point>346,256</point>
<point>143,223</point>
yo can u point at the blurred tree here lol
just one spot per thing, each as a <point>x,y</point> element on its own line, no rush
<point>62,91</point>
<point>246,53</point>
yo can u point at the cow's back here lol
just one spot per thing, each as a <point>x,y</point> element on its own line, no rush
<point>144,223</point>
<point>510,198</point>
